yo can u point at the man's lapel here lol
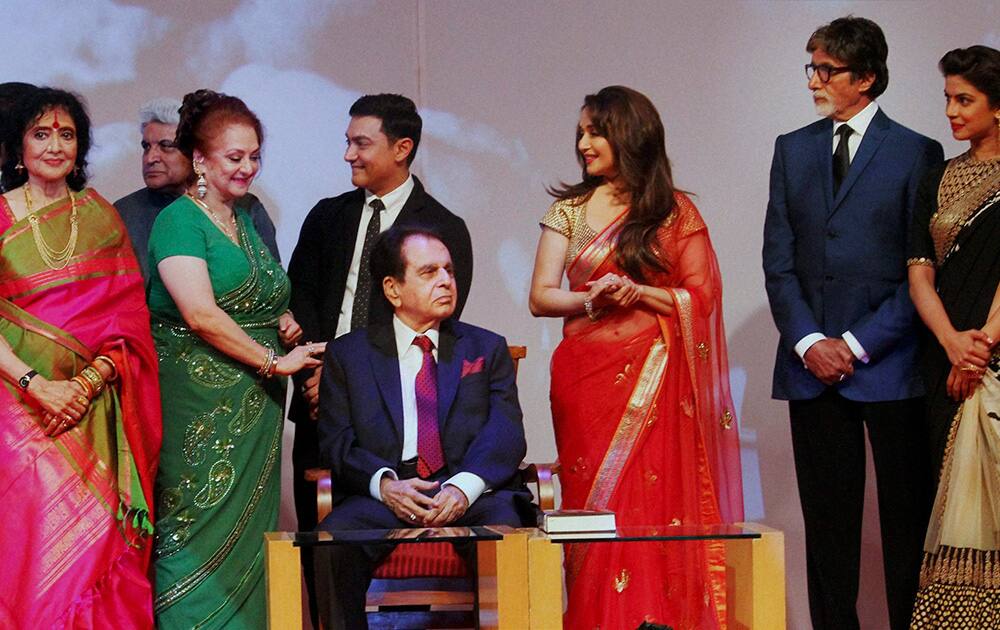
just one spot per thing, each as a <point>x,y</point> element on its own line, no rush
<point>874,136</point>
<point>414,203</point>
<point>449,371</point>
<point>822,142</point>
<point>385,365</point>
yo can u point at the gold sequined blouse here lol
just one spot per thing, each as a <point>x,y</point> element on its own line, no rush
<point>966,184</point>
<point>569,218</point>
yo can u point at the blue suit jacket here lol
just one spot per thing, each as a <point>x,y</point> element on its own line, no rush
<point>361,407</point>
<point>838,263</point>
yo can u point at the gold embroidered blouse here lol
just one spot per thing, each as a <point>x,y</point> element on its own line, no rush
<point>569,218</point>
<point>966,184</point>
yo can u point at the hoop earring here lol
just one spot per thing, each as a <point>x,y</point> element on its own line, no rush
<point>201,184</point>
<point>19,167</point>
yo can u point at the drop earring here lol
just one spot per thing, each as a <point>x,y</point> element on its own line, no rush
<point>19,167</point>
<point>201,184</point>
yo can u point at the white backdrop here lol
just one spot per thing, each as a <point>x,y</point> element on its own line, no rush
<point>499,85</point>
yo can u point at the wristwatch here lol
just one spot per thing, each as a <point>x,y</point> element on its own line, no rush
<point>25,380</point>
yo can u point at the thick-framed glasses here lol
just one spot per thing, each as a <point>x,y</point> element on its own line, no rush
<point>824,71</point>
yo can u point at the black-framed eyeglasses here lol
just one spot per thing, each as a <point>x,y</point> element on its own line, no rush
<point>824,71</point>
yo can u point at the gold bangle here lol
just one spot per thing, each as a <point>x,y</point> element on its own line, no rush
<point>94,378</point>
<point>265,366</point>
<point>88,389</point>
<point>111,364</point>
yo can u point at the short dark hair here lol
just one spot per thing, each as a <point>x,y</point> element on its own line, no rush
<point>387,253</point>
<point>860,44</point>
<point>398,115</point>
<point>26,110</point>
<point>979,65</point>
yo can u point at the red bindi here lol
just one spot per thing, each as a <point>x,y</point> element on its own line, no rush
<point>55,119</point>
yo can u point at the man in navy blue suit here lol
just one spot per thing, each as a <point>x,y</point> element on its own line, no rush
<point>418,419</point>
<point>841,196</point>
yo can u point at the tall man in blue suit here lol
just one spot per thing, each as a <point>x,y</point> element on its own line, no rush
<point>418,419</point>
<point>842,192</point>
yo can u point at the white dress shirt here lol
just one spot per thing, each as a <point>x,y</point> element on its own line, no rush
<point>411,358</point>
<point>394,202</point>
<point>859,123</point>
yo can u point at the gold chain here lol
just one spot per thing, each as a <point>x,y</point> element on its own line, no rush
<point>231,234</point>
<point>54,259</point>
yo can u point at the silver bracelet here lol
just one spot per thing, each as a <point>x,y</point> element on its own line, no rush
<point>588,306</point>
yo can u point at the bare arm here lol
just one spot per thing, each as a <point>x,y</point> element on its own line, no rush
<point>968,347</point>
<point>547,297</point>
<point>186,279</point>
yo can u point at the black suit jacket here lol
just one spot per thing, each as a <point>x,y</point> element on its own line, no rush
<point>361,415</point>
<point>322,258</point>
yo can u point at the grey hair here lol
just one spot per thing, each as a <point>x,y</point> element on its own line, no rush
<point>160,110</point>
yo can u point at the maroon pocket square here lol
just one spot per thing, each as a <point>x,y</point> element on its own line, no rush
<point>472,367</point>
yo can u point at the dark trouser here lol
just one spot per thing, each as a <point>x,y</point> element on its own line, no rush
<point>305,455</point>
<point>343,572</point>
<point>829,446</point>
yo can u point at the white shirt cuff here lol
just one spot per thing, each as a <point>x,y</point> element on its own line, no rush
<point>375,485</point>
<point>471,485</point>
<point>807,342</point>
<point>856,348</point>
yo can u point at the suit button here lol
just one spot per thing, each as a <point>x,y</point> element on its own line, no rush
<point>831,235</point>
<point>829,278</point>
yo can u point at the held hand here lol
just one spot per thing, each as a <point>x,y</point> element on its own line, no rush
<point>962,382</point>
<point>300,357</point>
<point>310,391</point>
<point>628,294</point>
<point>64,403</point>
<point>968,347</point>
<point>598,291</point>
<point>289,331</point>
<point>406,498</point>
<point>449,505</point>
<point>830,360</point>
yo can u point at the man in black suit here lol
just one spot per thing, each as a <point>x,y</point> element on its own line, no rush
<point>332,290</point>
<point>419,419</point>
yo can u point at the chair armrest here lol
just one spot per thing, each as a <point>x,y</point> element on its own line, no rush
<point>541,476</point>
<point>324,491</point>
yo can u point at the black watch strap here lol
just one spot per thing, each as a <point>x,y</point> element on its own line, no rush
<point>25,380</point>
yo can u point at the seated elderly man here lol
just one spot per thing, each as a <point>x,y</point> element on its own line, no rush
<point>167,174</point>
<point>418,419</point>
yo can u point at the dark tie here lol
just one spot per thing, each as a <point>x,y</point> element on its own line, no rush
<point>841,158</point>
<point>430,458</point>
<point>363,290</point>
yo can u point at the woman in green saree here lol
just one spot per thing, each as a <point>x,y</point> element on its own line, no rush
<point>219,304</point>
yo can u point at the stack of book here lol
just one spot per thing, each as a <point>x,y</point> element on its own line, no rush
<point>578,523</point>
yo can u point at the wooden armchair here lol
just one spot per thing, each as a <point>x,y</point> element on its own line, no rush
<point>431,576</point>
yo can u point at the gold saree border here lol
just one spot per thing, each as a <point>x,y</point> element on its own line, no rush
<point>595,253</point>
<point>185,585</point>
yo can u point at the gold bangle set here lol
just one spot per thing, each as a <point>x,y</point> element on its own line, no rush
<point>90,378</point>
<point>269,366</point>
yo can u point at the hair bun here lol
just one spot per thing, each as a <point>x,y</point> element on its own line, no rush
<point>193,107</point>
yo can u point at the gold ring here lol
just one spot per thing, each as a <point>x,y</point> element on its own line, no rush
<point>970,368</point>
<point>82,400</point>
<point>413,517</point>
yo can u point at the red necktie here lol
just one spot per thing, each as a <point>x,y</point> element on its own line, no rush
<point>430,458</point>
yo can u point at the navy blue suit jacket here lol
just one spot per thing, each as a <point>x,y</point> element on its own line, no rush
<point>361,407</point>
<point>838,263</point>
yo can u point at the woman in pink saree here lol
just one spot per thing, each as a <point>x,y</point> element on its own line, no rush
<point>79,400</point>
<point>643,419</point>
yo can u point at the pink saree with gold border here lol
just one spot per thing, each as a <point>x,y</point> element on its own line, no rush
<point>645,427</point>
<point>75,518</point>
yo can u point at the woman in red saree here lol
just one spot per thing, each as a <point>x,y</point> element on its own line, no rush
<point>79,400</point>
<point>643,418</point>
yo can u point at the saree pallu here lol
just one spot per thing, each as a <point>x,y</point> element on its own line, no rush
<point>645,427</point>
<point>960,576</point>
<point>74,526</point>
<point>219,481</point>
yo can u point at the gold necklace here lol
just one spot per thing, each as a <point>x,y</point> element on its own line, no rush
<point>231,234</point>
<point>54,259</point>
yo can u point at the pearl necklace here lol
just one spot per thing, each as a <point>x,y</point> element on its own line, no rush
<point>232,233</point>
<point>54,259</point>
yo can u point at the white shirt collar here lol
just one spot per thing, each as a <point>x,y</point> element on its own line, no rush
<point>395,199</point>
<point>405,336</point>
<point>860,121</point>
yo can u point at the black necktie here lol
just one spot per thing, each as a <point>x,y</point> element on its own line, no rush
<point>363,290</point>
<point>841,158</point>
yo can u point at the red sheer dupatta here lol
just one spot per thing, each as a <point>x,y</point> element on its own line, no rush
<point>645,427</point>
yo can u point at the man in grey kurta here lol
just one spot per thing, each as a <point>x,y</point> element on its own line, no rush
<point>166,173</point>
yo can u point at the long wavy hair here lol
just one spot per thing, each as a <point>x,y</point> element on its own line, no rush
<point>633,128</point>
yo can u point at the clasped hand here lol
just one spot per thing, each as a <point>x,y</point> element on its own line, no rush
<point>830,360</point>
<point>408,501</point>
<point>613,290</point>
<point>64,403</point>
